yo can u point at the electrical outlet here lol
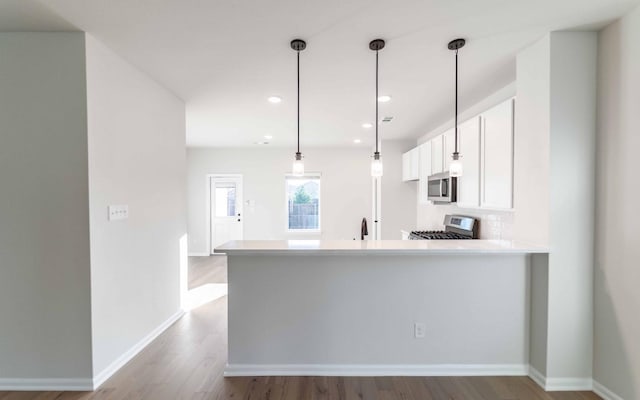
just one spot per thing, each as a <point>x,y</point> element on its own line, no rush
<point>419,330</point>
<point>118,212</point>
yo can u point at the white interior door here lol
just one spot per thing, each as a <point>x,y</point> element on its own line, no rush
<point>226,209</point>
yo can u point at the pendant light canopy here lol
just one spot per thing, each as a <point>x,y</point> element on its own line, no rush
<point>376,164</point>
<point>455,168</point>
<point>298,164</point>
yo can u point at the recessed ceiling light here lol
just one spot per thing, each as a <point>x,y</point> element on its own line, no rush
<point>268,137</point>
<point>384,98</point>
<point>274,99</point>
<point>260,142</point>
<point>367,125</point>
<point>356,141</point>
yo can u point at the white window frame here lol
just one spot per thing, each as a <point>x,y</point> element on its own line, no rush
<point>315,175</point>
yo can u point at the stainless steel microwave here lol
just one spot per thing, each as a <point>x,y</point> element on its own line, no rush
<point>442,188</point>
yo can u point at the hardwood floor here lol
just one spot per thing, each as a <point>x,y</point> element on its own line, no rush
<point>187,361</point>
<point>204,270</point>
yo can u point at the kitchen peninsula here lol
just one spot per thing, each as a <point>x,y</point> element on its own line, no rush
<point>391,307</point>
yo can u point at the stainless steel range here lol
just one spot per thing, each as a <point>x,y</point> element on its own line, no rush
<point>455,227</point>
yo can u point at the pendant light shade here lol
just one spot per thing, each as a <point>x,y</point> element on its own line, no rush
<point>376,164</point>
<point>455,168</point>
<point>298,164</point>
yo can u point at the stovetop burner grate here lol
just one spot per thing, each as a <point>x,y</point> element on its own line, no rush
<point>456,227</point>
<point>434,235</point>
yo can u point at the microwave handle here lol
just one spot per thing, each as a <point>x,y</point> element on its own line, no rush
<point>444,187</point>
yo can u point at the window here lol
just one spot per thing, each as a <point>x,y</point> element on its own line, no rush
<point>225,199</point>
<point>303,203</point>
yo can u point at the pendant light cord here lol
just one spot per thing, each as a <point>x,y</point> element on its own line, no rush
<point>298,102</point>
<point>456,116</point>
<point>377,102</point>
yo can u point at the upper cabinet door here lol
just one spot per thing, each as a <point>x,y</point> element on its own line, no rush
<point>410,165</point>
<point>424,152</point>
<point>449,138</point>
<point>406,166</point>
<point>469,148</point>
<point>415,164</point>
<point>437,148</point>
<point>497,156</point>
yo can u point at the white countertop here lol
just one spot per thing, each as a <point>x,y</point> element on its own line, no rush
<point>368,247</point>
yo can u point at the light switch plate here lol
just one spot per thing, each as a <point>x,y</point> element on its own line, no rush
<point>118,212</point>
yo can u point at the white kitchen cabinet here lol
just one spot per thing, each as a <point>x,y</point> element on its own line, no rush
<point>449,143</point>
<point>437,148</point>
<point>406,160</point>
<point>497,157</point>
<point>410,165</point>
<point>424,153</point>
<point>415,164</point>
<point>469,148</point>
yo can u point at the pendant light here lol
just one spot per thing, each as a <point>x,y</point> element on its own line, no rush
<point>455,168</point>
<point>298,165</point>
<point>376,164</point>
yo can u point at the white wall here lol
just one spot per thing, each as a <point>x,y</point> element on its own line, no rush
<point>617,275</point>
<point>531,143</point>
<point>345,190</point>
<point>45,326</point>
<point>493,224</point>
<point>398,198</point>
<point>554,193</point>
<point>531,180</point>
<point>572,202</point>
<point>137,157</point>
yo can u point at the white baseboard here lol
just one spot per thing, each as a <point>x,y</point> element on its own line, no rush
<point>51,384</point>
<point>605,392</point>
<point>559,384</point>
<point>376,370</point>
<point>106,373</point>
<point>86,384</point>
<point>198,254</point>
<point>564,384</point>
<point>537,377</point>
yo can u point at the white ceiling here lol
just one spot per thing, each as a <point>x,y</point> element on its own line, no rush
<point>224,58</point>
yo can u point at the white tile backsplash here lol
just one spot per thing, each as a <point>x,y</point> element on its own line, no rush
<point>493,224</point>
